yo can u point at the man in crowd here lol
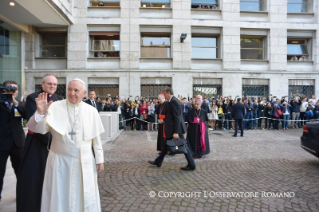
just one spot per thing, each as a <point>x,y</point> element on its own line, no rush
<point>174,128</point>
<point>91,101</point>
<point>12,137</point>
<point>185,108</point>
<point>32,168</point>
<point>249,115</point>
<point>295,111</point>
<point>238,113</point>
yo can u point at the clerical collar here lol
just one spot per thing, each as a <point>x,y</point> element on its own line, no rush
<point>73,105</point>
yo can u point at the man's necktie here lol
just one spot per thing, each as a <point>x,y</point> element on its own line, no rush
<point>93,103</point>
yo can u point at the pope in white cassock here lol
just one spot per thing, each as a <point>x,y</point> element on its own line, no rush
<point>70,182</point>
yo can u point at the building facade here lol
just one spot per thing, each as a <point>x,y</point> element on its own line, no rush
<point>136,47</point>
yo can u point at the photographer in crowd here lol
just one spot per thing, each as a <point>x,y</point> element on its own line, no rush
<point>12,137</point>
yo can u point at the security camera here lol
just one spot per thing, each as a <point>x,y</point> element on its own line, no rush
<point>183,37</point>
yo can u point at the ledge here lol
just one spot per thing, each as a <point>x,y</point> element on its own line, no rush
<point>259,12</point>
<point>196,9</point>
<point>300,13</point>
<point>216,59</point>
<point>105,7</point>
<point>99,58</point>
<point>154,58</point>
<point>156,8</point>
<point>50,58</point>
<point>255,60</point>
<point>293,61</point>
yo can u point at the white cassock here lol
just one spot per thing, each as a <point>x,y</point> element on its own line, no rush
<point>70,182</point>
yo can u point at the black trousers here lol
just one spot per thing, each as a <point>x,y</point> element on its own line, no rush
<point>188,156</point>
<point>239,122</point>
<point>16,155</point>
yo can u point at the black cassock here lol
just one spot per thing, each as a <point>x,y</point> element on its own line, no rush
<point>161,142</point>
<point>194,133</point>
<point>32,167</point>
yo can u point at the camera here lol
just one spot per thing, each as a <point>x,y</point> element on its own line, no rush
<point>6,97</point>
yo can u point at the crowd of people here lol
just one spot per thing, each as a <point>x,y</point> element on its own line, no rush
<point>261,113</point>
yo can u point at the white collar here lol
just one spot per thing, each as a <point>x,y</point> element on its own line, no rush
<point>170,98</point>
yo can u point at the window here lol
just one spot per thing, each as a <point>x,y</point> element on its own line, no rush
<point>205,4</point>
<point>102,90</point>
<point>151,91</point>
<point>207,90</point>
<point>155,3</point>
<point>255,90</point>
<point>104,44</point>
<point>53,45</point>
<point>157,45</point>
<point>4,41</point>
<point>296,47</point>
<point>297,6</point>
<point>204,47</point>
<point>251,48</point>
<point>308,90</point>
<point>251,5</point>
<point>105,3</point>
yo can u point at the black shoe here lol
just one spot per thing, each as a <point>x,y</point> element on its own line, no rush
<point>234,135</point>
<point>186,168</point>
<point>159,153</point>
<point>241,135</point>
<point>155,164</point>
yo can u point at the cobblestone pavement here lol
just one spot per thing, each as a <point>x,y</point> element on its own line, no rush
<point>265,162</point>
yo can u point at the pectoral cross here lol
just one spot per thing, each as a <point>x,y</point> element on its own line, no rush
<point>72,133</point>
<point>198,119</point>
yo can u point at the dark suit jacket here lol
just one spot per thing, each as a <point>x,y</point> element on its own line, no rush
<point>238,111</point>
<point>11,129</point>
<point>174,118</point>
<point>98,106</point>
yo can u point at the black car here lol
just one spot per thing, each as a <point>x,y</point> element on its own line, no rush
<point>310,138</point>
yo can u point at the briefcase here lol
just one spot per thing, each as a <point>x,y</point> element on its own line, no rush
<point>177,146</point>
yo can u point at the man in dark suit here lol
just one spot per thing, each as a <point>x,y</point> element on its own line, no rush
<point>12,137</point>
<point>174,128</point>
<point>238,113</point>
<point>91,101</point>
<point>32,168</point>
<point>185,108</point>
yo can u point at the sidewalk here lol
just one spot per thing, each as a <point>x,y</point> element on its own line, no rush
<point>8,202</point>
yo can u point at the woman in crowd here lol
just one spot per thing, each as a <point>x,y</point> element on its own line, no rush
<point>268,114</point>
<point>303,108</point>
<point>286,109</point>
<point>213,114</point>
<point>151,116</point>
<point>309,111</point>
<point>127,115</point>
<point>144,114</point>
<point>220,114</point>
<point>255,112</point>
<point>276,116</point>
<point>197,135</point>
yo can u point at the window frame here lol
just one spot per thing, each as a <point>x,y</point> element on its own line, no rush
<point>263,48</point>
<point>156,34</point>
<point>144,5</point>
<point>52,33</point>
<point>205,4</point>
<point>105,2</point>
<point>296,39</point>
<point>203,35</point>
<point>105,33</point>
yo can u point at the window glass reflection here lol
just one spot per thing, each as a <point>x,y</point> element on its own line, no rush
<point>155,52</point>
<point>208,53</point>
<point>296,49</point>
<point>297,8</point>
<point>251,5</point>
<point>204,42</point>
<point>251,43</point>
<point>156,41</point>
<point>251,54</point>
